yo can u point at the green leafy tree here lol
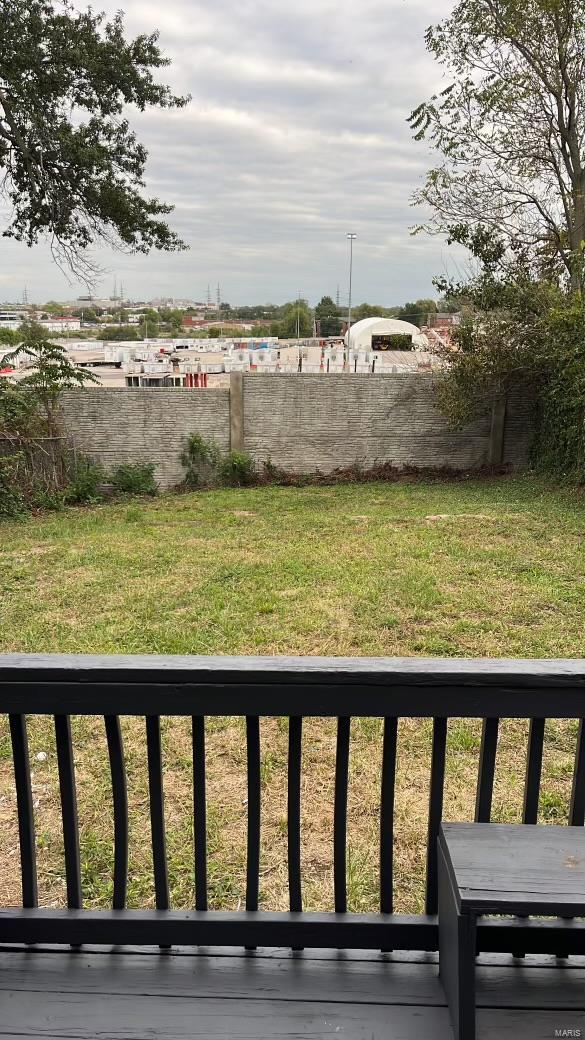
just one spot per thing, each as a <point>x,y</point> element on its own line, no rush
<point>509,127</point>
<point>297,317</point>
<point>448,305</point>
<point>18,411</point>
<point>86,314</point>
<point>149,323</point>
<point>121,333</point>
<point>327,314</point>
<point>73,168</point>
<point>175,320</point>
<point>8,337</point>
<point>499,347</point>
<point>225,332</point>
<point>417,313</point>
<point>50,373</point>
<point>267,310</point>
<point>372,311</point>
<point>521,336</point>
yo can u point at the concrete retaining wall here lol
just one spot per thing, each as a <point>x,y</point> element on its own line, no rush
<point>118,425</point>
<point>301,422</point>
<point>307,422</point>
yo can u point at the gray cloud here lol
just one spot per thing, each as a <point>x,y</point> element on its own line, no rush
<point>296,133</point>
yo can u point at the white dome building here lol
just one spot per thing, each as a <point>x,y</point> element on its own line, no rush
<point>374,333</point>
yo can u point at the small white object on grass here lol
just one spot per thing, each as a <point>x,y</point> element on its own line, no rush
<point>41,757</point>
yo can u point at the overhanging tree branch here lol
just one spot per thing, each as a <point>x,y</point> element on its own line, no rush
<point>72,168</point>
<point>510,126</point>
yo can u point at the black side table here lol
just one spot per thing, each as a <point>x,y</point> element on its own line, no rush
<point>487,868</point>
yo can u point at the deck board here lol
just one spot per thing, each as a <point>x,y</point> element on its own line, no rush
<point>86,995</point>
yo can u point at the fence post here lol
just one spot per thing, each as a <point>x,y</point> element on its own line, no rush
<point>236,411</point>
<point>497,431</point>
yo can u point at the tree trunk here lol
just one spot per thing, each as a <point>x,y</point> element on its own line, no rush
<point>577,233</point>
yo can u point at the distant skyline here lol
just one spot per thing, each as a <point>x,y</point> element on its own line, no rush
<point>296,134</point>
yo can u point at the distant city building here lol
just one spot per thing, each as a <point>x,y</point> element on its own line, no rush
<point>12,320</point>
<point>193,321</point>
<point>65,324</point>
<point>172,303</point>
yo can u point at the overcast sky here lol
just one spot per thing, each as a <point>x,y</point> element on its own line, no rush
<point>295,135</point>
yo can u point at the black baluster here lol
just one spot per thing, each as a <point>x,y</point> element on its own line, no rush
<point>387,817</point>
<point>24,803</point>
<point>157,815</point>
<point>487,770</point>
<point>120,801</point>
<point>533,771</point>
<point>295,733</point>
<point>68,810</point>
<point>340,815</point>
<point>253,850</point>
<point>435,810</point>
<point>200,811</point>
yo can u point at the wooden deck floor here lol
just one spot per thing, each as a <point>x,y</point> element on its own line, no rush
<point>138,995</point>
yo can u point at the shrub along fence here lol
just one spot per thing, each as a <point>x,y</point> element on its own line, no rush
<point>36,463</point>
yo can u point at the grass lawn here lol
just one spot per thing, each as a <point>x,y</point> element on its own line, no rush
<point>492,568</point>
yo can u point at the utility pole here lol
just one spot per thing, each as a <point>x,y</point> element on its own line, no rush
<point>352,237</point>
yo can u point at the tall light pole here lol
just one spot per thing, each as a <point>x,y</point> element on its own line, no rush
<point>352,239</point>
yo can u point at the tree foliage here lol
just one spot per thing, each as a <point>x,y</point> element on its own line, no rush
<point>372,310</point>
<point>73,168</point>
<point>416,313</point>
<point>327,314</point>
<point>509,126</point>
<point>121,333</point>
<point>532,343</point>
<point>35,396</point>
<point>297,320</point>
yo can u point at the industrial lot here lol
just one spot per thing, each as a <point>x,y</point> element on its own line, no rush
<point>189,362</point>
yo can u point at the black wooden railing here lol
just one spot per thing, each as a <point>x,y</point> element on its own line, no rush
<point>287,687</point>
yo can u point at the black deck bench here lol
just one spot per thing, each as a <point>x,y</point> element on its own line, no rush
<point>501,869</point>
<point>58,966</point>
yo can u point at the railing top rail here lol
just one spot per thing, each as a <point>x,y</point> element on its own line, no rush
<point>292,686</point>
<point>413,671</point>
